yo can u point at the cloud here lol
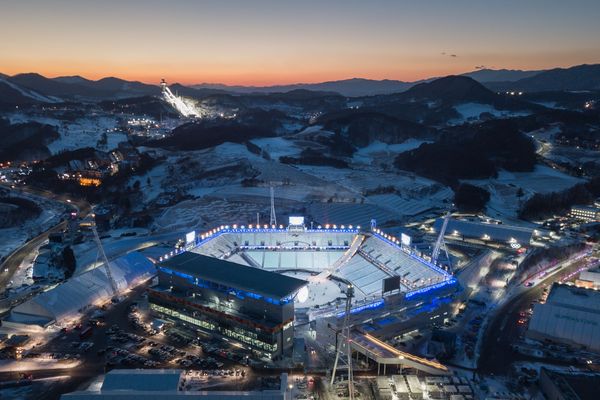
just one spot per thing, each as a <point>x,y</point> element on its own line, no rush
<point>480,67</point>
<point>449,55</point>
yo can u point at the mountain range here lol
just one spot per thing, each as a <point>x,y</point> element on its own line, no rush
<point>30,88</point>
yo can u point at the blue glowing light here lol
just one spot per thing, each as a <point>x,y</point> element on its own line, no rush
<point>368,306</point>
<point>427,289</point>
<point>241,294</point>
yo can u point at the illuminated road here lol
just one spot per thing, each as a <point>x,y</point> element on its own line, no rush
<point>504,329</point>
<point>14,260</point>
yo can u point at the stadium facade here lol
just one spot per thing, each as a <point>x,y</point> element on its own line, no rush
<point>248,305</point>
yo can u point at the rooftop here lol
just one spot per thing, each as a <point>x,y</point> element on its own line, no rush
<point>575,298</point>
<point>143,380</point>
<point>581,386</point>
<point>227,273</point>
<point>494,232</point>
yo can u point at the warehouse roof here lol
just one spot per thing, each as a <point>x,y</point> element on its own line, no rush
<point>227,273</point>
<point>494,232</point>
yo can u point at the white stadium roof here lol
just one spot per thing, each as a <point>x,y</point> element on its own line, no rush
<point>78,293</point>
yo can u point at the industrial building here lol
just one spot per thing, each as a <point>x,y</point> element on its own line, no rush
<point>512,236</point>
<point>571,315</point>
<point>167,384</point>
<point>251,306</point>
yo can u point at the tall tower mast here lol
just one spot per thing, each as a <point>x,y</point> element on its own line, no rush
<point>440,242</point>
<point>344,340</point>
<point>273,220</point>
<point>111,280</point>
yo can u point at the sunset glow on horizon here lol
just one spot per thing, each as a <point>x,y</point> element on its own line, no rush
<point>270,42</point>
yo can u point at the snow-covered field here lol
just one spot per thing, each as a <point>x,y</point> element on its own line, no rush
<point>82,132</point>
<point>470,111</point>
<point>504,189</point>
<point>14,237</point>
<point>277,147</point>
<point>376,150</point>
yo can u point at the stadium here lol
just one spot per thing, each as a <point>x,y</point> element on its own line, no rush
<point>328,257</point>
<point>309,269</point>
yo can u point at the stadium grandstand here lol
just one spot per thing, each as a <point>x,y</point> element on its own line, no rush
<point>342,254</point>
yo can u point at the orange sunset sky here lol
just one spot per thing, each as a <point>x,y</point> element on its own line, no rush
<point>280,42</point>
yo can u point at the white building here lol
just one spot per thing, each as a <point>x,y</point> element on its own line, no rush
<point>165,384</point>
<point>570,315</point>
<point>68,300</point>
<point>589,278</point>
<point>586,213</point>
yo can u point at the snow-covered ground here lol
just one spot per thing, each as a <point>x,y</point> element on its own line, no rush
<point>81,132</point>
<point>472,111</point>
<point>377,150</point>
<point>31,94</point>
<point>504,189</point>
<point>15,237</point>
<point>277,147</point>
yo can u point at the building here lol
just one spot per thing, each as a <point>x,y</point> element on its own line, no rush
<point>249,305</point>
<point>569,386</point>
<point>589,278</point>
<point>586,213</point>
<point>571,315</point>
<point>15,345</point>
<point>513,236</point>
<point>70,299</point>
<point>166,384</point>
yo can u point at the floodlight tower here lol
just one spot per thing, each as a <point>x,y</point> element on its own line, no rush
<point>344,339</point>
<point>273,220</point>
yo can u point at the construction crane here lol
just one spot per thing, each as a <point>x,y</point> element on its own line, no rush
<point>345,340</point>
<point>439,243</point>
<point>111,280</point>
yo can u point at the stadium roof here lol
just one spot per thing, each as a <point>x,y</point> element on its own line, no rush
<point>67,299</point>
<point>227,273</point>
<point>495,232</point>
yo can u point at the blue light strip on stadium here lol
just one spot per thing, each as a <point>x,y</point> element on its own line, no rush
<point>427,289</point>
<point>368,306</point>
<point>241,294</point>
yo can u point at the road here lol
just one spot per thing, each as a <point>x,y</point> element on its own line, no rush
<point>504,329</point>
<point>14,260</point>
